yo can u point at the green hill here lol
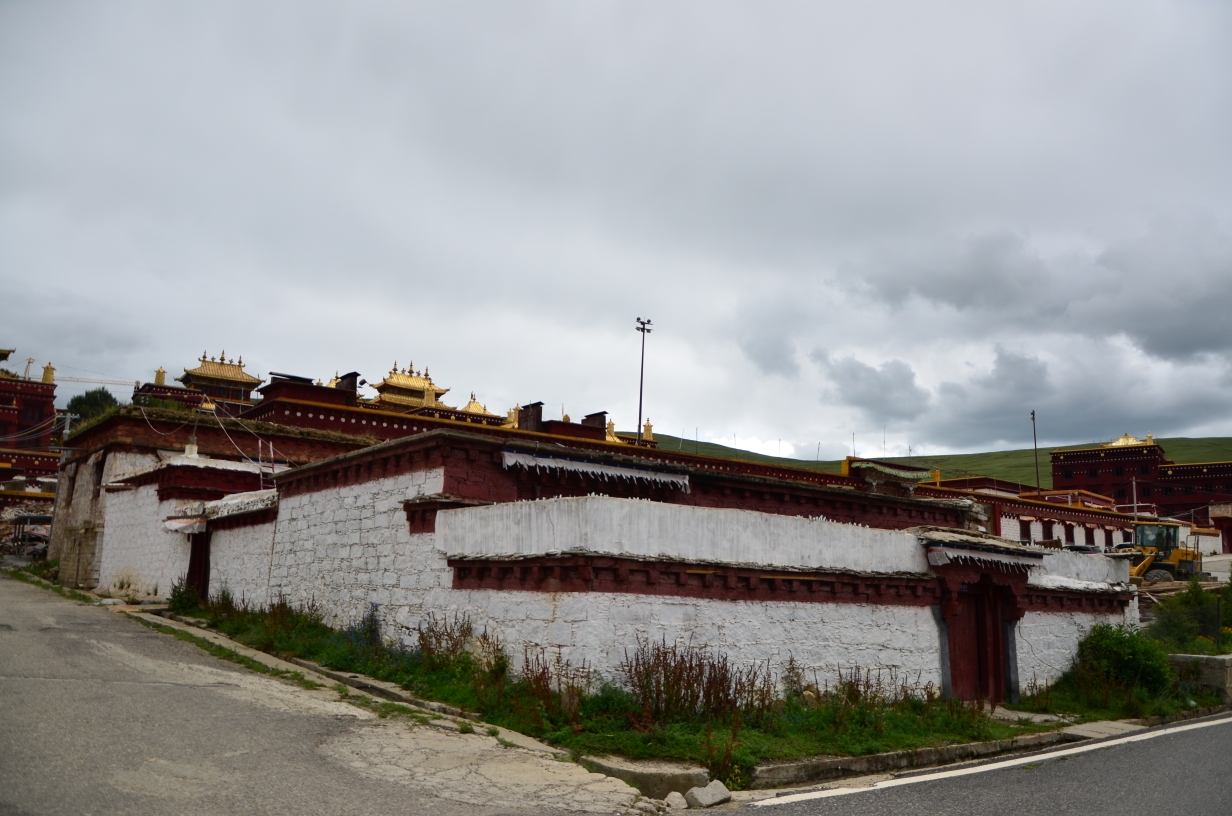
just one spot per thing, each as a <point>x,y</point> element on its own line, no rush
<point>1013,465</point>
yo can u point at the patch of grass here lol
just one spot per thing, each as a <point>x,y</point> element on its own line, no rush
<point>674,702</point>
<point>47,570</point>
<point>230,654</point>
<point>22,575</point>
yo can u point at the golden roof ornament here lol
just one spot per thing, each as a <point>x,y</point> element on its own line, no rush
<point>406,389</point>
<point>475,407</point>
<point>1125,441</point>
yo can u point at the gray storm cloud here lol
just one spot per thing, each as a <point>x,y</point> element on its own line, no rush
<point>971,207</point>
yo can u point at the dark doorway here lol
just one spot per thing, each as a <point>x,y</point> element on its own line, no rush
<point>199,564</point>
<point>977,650</point>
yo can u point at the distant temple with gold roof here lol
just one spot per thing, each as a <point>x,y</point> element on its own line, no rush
<point>407,390</point>
<point>224,382</point>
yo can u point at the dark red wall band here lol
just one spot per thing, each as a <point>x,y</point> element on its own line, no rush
<point>691,580</point>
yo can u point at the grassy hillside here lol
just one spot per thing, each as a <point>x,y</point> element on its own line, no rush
<point>1014,465</point>
<point>668,442</point>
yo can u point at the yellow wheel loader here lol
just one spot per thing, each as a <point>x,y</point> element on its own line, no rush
<point>1161,552</point>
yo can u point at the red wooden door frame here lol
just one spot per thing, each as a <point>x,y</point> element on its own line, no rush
<point>979,608</point>
<point>199,563</point>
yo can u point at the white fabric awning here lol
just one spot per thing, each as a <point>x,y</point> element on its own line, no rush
<point>185,525</point>
<point>940,556</point>
<point>528,461</point>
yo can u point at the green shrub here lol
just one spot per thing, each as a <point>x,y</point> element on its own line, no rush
<point>1126,657</point>
<point>92,403</point>
<point>183,598</point>
<point>1189,622</point>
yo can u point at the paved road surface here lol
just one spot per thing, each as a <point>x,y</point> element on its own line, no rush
<point>101,715</point>
<point>1177,774</point>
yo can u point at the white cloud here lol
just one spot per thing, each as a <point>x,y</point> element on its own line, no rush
<point>970,207</point>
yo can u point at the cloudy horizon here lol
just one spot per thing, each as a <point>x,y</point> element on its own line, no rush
<point>922,221</point>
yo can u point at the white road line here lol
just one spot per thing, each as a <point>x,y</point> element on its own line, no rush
<point>995,766</point>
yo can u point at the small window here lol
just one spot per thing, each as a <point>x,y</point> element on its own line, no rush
<point>1093,473</point>
<point>1120,494</point>
<point>1208,488</point>
<point>1144,470</point>
<point>1168,491</point>
<point>1120,471</point>
<point>1189,490</point>
<point>1067,474</point>
<point>1145,492</point>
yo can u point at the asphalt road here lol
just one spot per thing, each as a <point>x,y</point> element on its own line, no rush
<point>1176,774</point>
<point>101,715</point>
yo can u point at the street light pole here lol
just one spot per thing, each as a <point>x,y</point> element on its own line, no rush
<point>643,326</point>
<point>1035,444</point>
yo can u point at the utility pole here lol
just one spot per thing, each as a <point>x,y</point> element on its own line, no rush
<point>1134,482</point>
<point>643,326</point>
<point>1035,443</point>
<point>68,424</point>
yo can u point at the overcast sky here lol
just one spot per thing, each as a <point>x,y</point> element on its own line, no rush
<point>923,218</point>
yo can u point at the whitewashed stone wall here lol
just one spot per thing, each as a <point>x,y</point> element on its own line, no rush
<point>1079,569</point>
<point>345,548</point>
<point>598,627</point>
<point>1208,544</point>
<point>1011,528</point>
<point>139,548</point>
<point>240,562</point>
<point>1047,641</point>
<point>630,527</point>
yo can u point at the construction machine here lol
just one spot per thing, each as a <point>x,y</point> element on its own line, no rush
<point>1161,552</point>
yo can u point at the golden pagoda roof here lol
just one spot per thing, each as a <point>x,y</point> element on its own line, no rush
<point>1125,441</point>
<point>408,379</point>
<point>221,369</point>
<point>473,407</point>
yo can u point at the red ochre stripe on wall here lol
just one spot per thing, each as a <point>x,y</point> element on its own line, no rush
<point>626,575</point>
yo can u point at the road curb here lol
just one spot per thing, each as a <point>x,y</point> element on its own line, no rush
<point>381,688</point>
<point>822,769</point>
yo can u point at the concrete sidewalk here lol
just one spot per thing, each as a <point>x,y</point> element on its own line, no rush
<point>99,714</point>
